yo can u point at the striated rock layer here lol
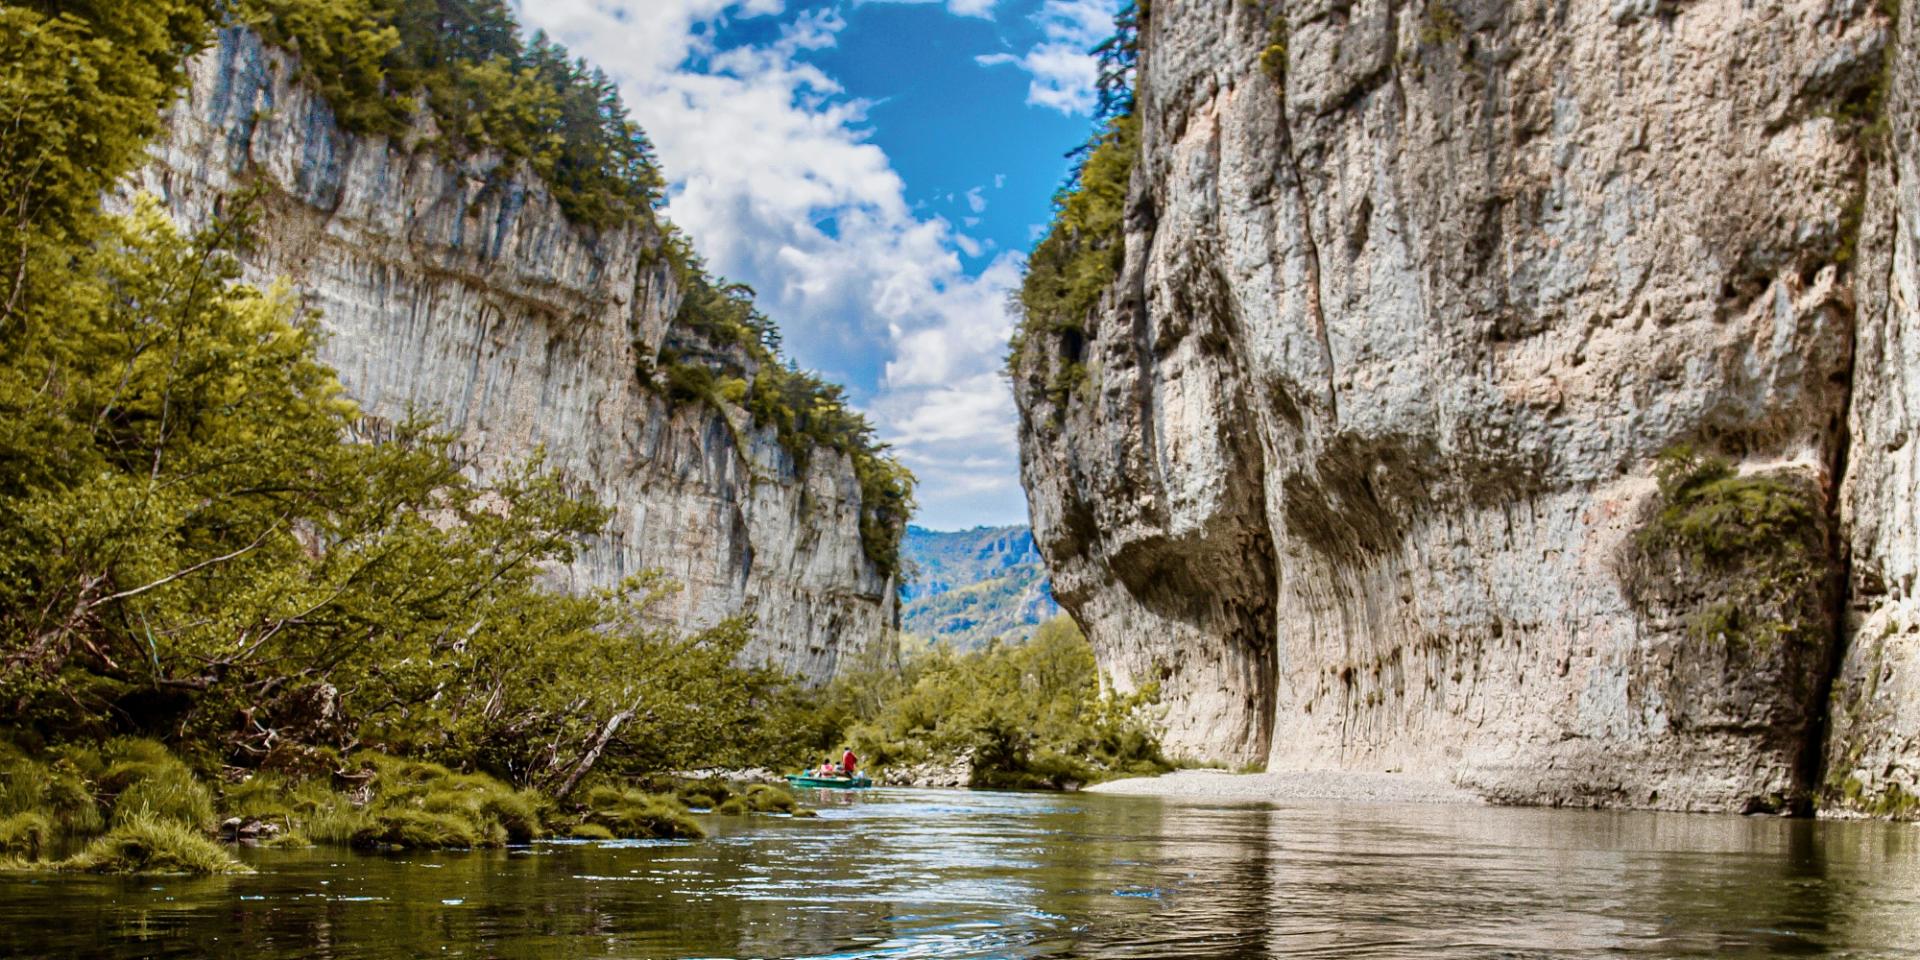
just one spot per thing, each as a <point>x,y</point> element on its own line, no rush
<point>458,289</point>
<point>1414,298</point>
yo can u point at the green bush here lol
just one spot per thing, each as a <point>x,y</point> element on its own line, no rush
<point>147,845</point>
<point>1030,715</point>
<point>148,782</point>
<point>53,791</point>
<point>767,798</point>
<point>632,815</point>
<point>27,836</point>
<point>405,828</point>
<point>421,805</point>
<point>709,793</point>
<point>1081,253</point>
<point>336,823</point>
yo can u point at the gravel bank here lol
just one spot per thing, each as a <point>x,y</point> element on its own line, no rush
<point>1290,786</point>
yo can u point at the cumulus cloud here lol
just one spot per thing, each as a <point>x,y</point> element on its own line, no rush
<point>1063,74</point>
<point>775,178</point>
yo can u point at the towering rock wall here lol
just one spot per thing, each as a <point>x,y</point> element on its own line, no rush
<point>458,289</point>
<point>1415,297</point>
<point>1873,755</point>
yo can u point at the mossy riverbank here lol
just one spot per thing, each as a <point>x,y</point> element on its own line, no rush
<point>131,806</point>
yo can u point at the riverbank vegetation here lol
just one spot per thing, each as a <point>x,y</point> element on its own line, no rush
<point>197,547</point>
<point>132,806</point>
<point>1022,715</point>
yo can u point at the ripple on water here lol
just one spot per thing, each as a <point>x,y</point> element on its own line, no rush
<point>909,874</point>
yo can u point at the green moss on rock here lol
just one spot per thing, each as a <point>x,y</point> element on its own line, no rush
<point>1744,554</point>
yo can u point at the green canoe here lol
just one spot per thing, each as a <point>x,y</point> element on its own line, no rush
<point>839,783</point>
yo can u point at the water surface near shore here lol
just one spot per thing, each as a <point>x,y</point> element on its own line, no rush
<point>926,873</point>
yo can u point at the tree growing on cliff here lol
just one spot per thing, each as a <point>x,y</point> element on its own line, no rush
<point>379,63</point>
<point>1082,251</point>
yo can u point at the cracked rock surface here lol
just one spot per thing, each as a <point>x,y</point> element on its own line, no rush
<point>1372,412</point>
<point>451,288</point>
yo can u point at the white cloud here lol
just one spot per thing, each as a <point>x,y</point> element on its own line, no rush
<point>982,9</point>
<point>763,148</point>
<point>977,200</point>
<point>1063,73</point>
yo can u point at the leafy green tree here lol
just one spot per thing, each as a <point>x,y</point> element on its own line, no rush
<point>1082,251</point>
<point>81,82</point>
<point>1028,714</point>
<point>202,540</point>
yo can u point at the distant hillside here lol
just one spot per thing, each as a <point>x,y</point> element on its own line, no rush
<point>967,587</point>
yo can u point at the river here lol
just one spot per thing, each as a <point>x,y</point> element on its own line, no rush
<point>922,873</point>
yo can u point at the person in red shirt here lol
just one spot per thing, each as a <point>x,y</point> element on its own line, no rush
<point>847,762</point>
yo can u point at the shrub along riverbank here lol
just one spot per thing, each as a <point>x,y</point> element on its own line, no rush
<point>1026,715</point>
<point>132,806</point>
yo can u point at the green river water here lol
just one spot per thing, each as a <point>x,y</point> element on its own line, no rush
<point>923,873</point>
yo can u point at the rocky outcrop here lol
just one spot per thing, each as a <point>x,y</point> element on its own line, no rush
<point>1364,472</point>
<point>457,288</point>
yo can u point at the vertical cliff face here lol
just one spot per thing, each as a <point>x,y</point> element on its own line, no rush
<point>1873,755</point>
<point>1378,461</point>
<point>457,288</point>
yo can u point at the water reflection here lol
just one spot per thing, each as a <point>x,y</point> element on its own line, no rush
<point>903,874</point>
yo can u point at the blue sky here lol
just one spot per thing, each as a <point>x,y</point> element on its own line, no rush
<point>876,170</point>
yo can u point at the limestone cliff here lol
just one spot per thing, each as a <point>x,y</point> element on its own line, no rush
<point>1364,465</point>
<point>457,288</point>
<point>1873,750</point>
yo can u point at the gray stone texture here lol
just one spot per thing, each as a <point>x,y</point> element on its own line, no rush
<point>1373,408</point>
<point>457,288</point>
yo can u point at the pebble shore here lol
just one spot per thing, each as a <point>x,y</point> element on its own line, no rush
<point>1308,786</point>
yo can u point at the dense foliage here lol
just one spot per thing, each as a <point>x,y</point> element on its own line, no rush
<point>132,806</point>
<point>81,82</point>
<point>380,62</point>
<point>195,547</point>
<point>1026,715</point>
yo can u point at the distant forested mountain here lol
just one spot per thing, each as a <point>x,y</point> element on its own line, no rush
<point>967,587</point>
